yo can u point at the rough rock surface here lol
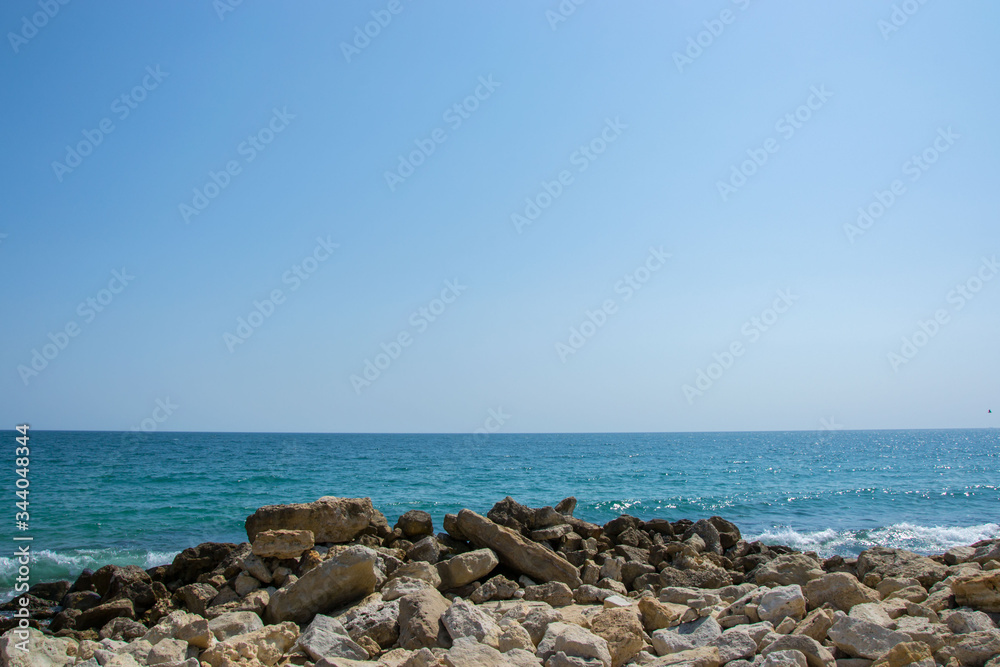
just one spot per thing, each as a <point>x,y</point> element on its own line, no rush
<point>330,519</point>
<point>517,551</point>
<point>339,580</point>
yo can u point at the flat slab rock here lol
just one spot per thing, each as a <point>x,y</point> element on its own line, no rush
<point>330,519</point>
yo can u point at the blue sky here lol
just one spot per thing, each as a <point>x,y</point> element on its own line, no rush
<point>215,159</point>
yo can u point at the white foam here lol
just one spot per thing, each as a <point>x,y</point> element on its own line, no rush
<point>921,539</point>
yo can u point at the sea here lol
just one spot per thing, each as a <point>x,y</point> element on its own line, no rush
<point>140,498</point>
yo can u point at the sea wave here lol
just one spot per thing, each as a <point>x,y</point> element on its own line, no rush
<point>47,565</point>
<point>920,539</point>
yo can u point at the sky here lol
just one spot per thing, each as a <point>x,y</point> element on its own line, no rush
<point>397,216</point>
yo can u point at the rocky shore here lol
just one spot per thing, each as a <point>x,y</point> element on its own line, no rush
<point>332,584</point>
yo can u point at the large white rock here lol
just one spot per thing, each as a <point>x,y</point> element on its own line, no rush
<point>43,651</point>
<point>465,568</point>
<point>467,652</point>
<point>863,639</point>
<point>326,638</point>
<point>573,641</point>
<point>735,644</point>
<point>337,581</point>
<point>234,623</point>
<point>782,602</point>
<point>265,646</point>
<point>464,619</point>
<point>686,636</point>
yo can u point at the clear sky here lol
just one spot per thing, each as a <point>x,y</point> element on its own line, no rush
<point>633,216</point>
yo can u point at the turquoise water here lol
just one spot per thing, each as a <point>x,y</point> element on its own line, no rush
<point>140,498</point>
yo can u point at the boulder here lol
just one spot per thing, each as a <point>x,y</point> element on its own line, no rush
<point>621,629</point>
<point>418,569</point>
<point>709,534</point>
<point>862,639</point>
<point>122,629</point>
<point>260,647</point>
<point>330,519</point>
<point>782,602</point>
<point>787,658</point>
<point>420,620</point>
<point>400,586</point>
<point>964,621</point>
<point>789,569</point>
<point>885,562</point>
<point>706,656</point>
<point>197,597</point>
<point>256,568</point>
<point>170,651</point>
<point>53,591</point>
<point>373,619</point>
<point>574,641</point>
<point>976,648</point>
<point>326,638</point>
<point>735,644</point>
<point>193,562</point>
<point>986,551</point>
<point>657,615</point>
<point>497,588</point>
<point>468,653</point>
<point>840,589</point>
<point>131,583</point>
<point>98,617</point>
<point>905,653</point>
<point>816,654</point>
<point>554,593</point>
<point>980,591</point>
<point>514,636</point>
<point>686,636</point>
<point>282,543</point>
<point>873,613</point>
<point>427,549</point>
<point>338,580</point>
<point>465,568</point>
<point>729,534</point>
<point>43,651</point>
<point>816,624</point>
<point>415,523</point>
<point>464,619</point>
<point>516,551</point>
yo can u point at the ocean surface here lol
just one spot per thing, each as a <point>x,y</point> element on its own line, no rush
<point>132,498</point>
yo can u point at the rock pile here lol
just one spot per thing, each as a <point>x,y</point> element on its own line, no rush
<point>330,584</point>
